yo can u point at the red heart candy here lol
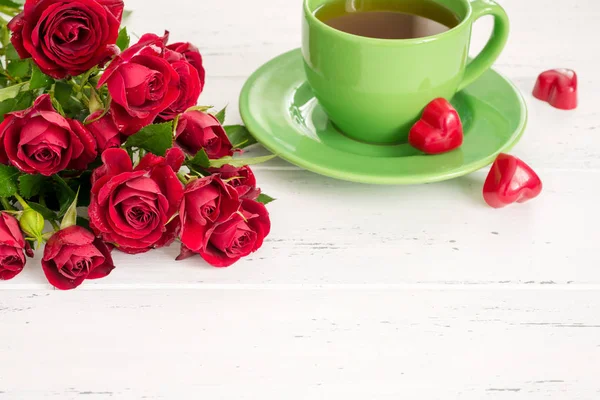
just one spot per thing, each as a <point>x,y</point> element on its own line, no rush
<point>439,130</point>
<point>510,180</point>
<point>558,87</point>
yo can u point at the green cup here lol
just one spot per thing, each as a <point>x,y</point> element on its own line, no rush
<point>375,89</point>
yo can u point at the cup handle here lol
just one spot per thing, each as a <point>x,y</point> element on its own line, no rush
<point>494,46</point>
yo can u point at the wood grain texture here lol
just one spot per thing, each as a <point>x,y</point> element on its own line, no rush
<point>301,344</point>
<point>360,292</point>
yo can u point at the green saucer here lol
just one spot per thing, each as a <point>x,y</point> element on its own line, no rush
<point>280,110</point>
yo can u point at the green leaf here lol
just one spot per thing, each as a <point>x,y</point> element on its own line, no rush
<point>239,136</point>
<point>39,79</point>
<point>63,185</point>
<point>31,185</point>
<point>123,39</point>
<point>11,53</point>
<point>19,69</point>
<point>62,92</point>
<point>175,125</point>
<point>7,106</point>
<point>265,199</point>
<point>65,194</point>
<point>23,100</point>
<point>199,108</point>
<point>155,138</point>
<point>58,107</point>
<point>96,103</point>
<point>45,211</point>
<point>4,37</point>
<point>11,4</point>
<point>70,217</point>
<point>12,91</point>
<point>239,162</point>
<point>200,160</point>
<point>20,102</point>
<point>221,115</point>
<point>8,180</point>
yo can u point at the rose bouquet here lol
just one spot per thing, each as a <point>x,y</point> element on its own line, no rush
<point>89,121</point>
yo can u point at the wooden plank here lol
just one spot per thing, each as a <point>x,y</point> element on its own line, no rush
<point>301,344</point>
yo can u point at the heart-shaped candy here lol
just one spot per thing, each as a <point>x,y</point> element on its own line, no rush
<point>558,87</point>
<point>510,180</point>
<point>439,130</point>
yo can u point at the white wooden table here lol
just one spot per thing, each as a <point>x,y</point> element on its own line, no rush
<point>360,292</point>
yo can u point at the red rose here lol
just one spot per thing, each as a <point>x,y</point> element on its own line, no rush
<point>41,140</point>
<point>134,209</point>
<point>67,37</point>
<point>191,54</point>
<point>242,179</point>
<point>73,255</point>
<point>197,130</point>
<point>142,84</point>
<point>243,233</point>
<point>190,88</point>
<point>206,201</point>
<point>12,247</point>
<point>104,130</point>
<point>114,6</point>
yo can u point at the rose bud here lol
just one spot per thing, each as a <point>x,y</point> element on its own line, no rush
<point>40,140</point>
<point>197,130</point>
<point>73,255</point>
<point>206,201</point>
<point>13,247</point>
<point>243,233</point>
<point>558,87</point>
<point>134,209</point>
<point>242,179</point>
<point>190,53</point>
<point>142,84</point>
<point>67,37</point>
<point>104,131</point>
<point>32,223</point>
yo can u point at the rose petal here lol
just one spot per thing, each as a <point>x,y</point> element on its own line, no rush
<point>117,161</point>
<point>107,266</point>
